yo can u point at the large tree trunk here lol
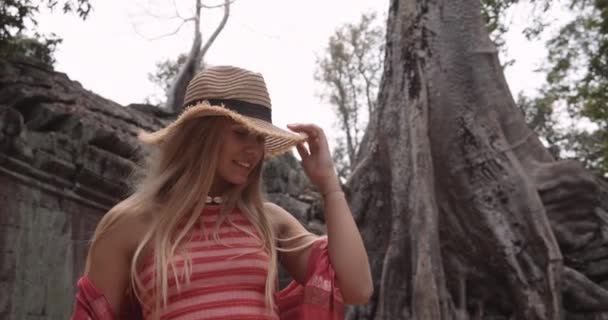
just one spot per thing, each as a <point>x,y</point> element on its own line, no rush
<point>465,213</point>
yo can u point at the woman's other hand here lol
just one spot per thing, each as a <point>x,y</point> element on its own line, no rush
<point>316,158</point>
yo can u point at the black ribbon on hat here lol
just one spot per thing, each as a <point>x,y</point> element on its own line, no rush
<point>242,107</point>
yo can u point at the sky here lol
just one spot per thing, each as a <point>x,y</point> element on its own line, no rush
<point>111,53</point>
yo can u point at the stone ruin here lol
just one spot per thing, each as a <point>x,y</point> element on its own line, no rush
<point>66,155</point>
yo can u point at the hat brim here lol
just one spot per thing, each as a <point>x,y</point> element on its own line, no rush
<point>277,140</point>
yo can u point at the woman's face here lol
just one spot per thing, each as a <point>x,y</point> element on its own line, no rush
<point>240,152</point>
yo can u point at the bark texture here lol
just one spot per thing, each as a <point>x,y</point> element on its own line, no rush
<point>464,212</point>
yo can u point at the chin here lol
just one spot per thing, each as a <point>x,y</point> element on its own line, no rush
<point>239,181</point>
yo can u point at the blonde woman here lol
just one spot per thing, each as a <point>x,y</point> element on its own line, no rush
<point>196,239</point>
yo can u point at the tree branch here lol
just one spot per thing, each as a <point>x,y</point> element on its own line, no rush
<point>174,32</point>
<point>177,15</point>
<point>217,5</point>
<point>217,31</point>
<point>175,94</point>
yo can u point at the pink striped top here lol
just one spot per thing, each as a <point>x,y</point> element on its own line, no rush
<point>228,277</point>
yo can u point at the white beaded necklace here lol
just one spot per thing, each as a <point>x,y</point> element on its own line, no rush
<point>214,200</point>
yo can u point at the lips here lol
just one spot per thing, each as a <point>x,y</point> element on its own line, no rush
<point>243,164</point>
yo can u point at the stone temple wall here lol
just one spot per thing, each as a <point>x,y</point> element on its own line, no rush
<point>66,155</point>
<point>43,241</point>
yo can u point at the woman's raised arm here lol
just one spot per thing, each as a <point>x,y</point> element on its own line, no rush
<point>346,250</point>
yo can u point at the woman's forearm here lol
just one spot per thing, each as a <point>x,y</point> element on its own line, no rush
<point>346,249</point>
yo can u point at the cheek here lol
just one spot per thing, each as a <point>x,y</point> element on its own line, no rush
<point>227,149</point>
<point>261,152</point>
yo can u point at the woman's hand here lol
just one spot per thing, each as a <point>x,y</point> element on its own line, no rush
<point>316,159</point>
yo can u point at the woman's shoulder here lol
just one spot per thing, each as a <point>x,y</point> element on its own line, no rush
<point>278,216</point>
<point>109,260</point>
<point>121,230</point>
<point>285,224</point>
<point>272,208</point>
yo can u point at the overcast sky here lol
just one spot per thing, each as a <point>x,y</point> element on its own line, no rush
<point>110,54</point>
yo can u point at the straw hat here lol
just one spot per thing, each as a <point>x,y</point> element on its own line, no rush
<point>236,93</point>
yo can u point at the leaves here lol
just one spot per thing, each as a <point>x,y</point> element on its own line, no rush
<point>15,15</point>
<point>576,71</point>
<point>494,12</point>
<point>39,47</point>
<point>577,75</point>
<point>350,71</point>
<point>165,73</point>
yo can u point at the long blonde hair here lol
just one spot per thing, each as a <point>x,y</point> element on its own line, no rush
<point>175,181</point>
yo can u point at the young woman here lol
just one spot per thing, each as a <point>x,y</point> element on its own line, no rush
<point>196,240</point>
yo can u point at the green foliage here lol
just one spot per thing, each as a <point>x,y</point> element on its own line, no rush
<point>18,18</point>
<point>350,71</point>
<point>576,77</point>
<point>589,148</point>
<point>494,13</point>
<point>38,47</point>
<point>165,72</point>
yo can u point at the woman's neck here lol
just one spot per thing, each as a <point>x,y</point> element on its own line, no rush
<point>218,188</point>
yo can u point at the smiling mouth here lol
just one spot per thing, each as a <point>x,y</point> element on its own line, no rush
<point>243,164</point>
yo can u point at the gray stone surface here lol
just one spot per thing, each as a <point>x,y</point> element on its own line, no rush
<point>41,248</point>
<point>65,154</point>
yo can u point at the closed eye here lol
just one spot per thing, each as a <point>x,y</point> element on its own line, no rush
<point>240,130</point>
